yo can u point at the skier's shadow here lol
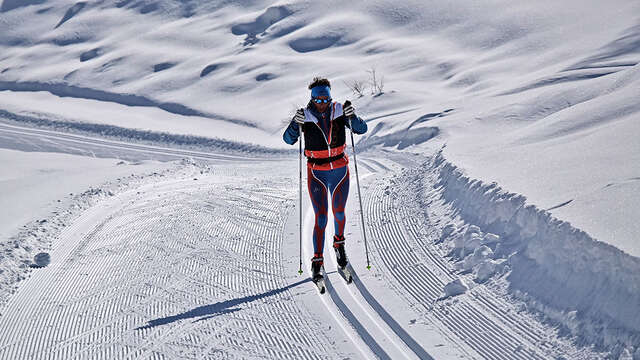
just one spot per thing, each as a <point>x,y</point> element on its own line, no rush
<point>219,308</point>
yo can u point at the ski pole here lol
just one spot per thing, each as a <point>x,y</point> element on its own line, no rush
<point>300,196</point>
<point>355,163</point>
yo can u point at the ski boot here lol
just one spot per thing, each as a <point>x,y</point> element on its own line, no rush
<point>316,272</point>
<point>341,257</point>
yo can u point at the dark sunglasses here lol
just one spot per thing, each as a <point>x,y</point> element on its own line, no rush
<point>321,101</point>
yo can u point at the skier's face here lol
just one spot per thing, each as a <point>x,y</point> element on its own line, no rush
<point>322,106</point>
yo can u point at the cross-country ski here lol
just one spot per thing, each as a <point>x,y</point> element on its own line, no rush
<point>345,273</point>
<point>320,285</point>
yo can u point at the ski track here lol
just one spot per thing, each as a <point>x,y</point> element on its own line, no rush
<point>419,279</point>
<point>482,321</point>
<point>194,269</point>
<point>363,341</point>
<point>77,144</point>
<point>159,252</point>
<point>384,337</point>
<point>378,316</point>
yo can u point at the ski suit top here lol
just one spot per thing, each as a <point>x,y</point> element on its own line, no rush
<point>324,136</point>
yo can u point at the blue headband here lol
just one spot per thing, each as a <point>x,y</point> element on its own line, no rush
<point>321,90</point>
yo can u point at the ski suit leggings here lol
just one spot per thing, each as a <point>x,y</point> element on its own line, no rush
<point>321,183</point>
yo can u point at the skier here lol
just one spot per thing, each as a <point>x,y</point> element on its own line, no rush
<point>323,123</point>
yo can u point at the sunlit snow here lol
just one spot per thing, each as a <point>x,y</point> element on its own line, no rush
<point>500,178</point>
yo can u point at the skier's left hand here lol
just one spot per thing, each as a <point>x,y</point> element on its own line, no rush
<point>299,116</point>
<point>348,110</point>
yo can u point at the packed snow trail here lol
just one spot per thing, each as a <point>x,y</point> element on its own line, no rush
<point>32,139</point>
<point>482,321</point>
<point>368,325</point>
<point>204,266</point>
<point>181,269</point>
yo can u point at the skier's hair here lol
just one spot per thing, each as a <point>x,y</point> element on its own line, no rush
<point>319,81</point>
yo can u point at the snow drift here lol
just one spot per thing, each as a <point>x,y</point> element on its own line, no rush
<point>590,287</point>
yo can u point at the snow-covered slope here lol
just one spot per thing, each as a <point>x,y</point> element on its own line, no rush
<point>248,61</point>
<point>539,98</point>
<point>552,83</point>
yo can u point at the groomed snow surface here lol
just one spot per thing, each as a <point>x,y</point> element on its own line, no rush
<point>148,207</point>
<point>200,261</point>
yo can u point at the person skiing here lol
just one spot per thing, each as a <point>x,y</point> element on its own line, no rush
<point>323,123</point>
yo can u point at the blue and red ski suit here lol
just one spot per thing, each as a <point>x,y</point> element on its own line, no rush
<point>327,165</point>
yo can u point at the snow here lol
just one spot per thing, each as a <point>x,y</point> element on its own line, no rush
<point>41,259</point>
<point>511,126</point>
<point>550,262</point>
<point>456,287</point>
<point>42,193</point>
<point>485,270</point>
<point>32,183</point>
<point>83,113</point>
<point>568,161</point>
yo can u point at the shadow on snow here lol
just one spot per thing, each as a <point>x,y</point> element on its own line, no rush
<point>223,307</point>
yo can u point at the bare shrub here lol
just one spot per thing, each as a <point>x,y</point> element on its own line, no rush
<point>358,87</point>
<point>376,82</point>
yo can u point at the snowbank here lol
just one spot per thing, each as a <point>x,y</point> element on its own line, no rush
<point>572,149</point>
<point>590,287</point>
<point>454,288</point>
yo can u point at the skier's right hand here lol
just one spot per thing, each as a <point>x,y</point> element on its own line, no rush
<point>299,116</point>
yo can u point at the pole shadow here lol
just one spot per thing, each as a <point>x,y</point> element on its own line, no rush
<point>224,307</point>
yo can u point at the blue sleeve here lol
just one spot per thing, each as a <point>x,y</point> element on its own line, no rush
<point>359,126</point>
<point>292,133</point>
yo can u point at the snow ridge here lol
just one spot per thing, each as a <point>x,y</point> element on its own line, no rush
<point>65,90</point>
<point>152,137</point>
<point>589,286</point>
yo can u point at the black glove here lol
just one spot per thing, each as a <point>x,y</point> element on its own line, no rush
<point>299,116</point>
<point>348,109</point>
